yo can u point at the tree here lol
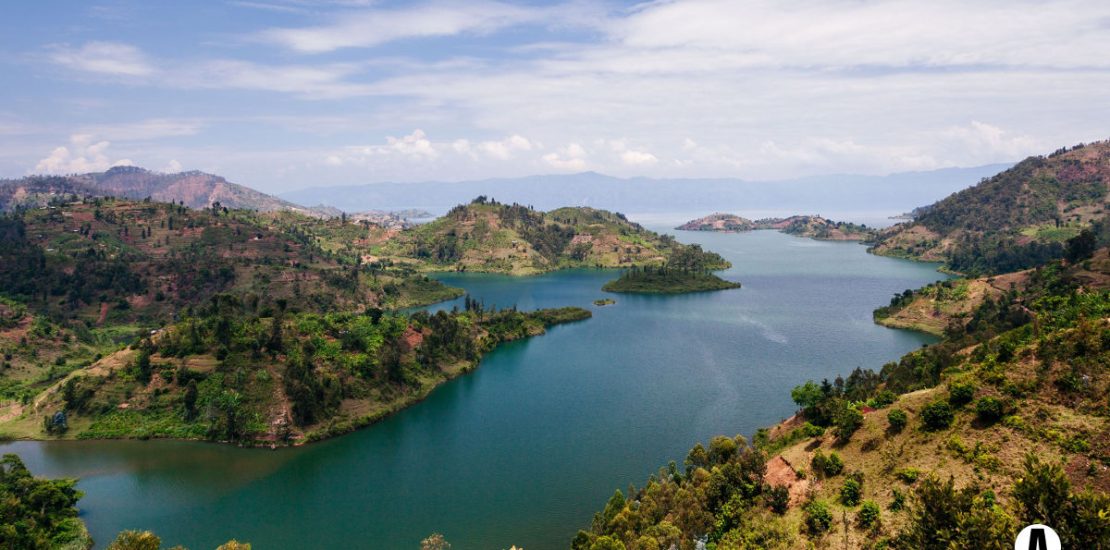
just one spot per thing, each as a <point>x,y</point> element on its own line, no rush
<point>142,366</point>
<point>897,419</point>
<point>817,516</point>
<point>807,395</point>
<point>937,416</point>
<point>1081,246</point>
<point>989,409</point>
<point>850,492</point>
<point>190,400</point>
<point>136,540</point>
<point>848,421</point>
<point>779,499</point>
<point>869,515</point>
<point>435,541</point>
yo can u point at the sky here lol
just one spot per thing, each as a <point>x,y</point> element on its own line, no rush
<point>286,94</point>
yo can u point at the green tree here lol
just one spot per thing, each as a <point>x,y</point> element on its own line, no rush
<point>937,415</point>
<point>136,540</point>
<point>897,419</point>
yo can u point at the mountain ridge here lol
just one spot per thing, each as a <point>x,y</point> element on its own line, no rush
<point>194,189</point>
<point>898,192</point>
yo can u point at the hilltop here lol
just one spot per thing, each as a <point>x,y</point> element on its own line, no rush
<point>815,227</point>
<point>488,236</point>
<point>193,189</point>
<point>1001,424</point>
<point>1017,219</point>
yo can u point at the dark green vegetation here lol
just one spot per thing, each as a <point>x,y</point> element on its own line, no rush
<point>38,513</point>
<point>489,236</point>
<point>80,279</point>
<point>1017,219</point>
<point>237,371</point>
<point>688,270</point>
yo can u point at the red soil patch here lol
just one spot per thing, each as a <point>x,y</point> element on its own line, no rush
<point>781,473</point>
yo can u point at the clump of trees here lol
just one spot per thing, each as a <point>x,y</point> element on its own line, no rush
<point>37,513</point>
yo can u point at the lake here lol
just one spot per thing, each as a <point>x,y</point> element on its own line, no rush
<point>527,448</point>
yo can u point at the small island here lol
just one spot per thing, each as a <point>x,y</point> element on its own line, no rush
<point>665,280</point>
<point>814,227</point>
<point>604,302</point>
<point>686,272</point>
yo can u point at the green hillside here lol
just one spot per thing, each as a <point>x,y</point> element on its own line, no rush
<point>1003,423</point>
<point>1017,219</point>
<point>489,236</point>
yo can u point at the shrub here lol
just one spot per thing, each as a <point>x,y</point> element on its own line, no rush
<point>961,393</point>
<point>899,500</point>
<point>908,475</point>
<point>818,517</point>
<point>847,422</point>
<point>810,430</point>
<point>779,499</point>
<point>828,465</point>
<point>897,419</point>
<point>937,416</point>
<point>850,492</point>
<point>989,409</point>
<point>869,515</point>
<point>883,398</point>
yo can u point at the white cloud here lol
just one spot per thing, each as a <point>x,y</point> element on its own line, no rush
<point>153,128</point>
<point>638,158</point>
<point>504,149</point>
<point>750,88</point>
<point>83,154</point>
<point>983,140</point>
<point>569,158</point>
<point>372,27</point>
<point>172,167</point>
<point>112,58</point>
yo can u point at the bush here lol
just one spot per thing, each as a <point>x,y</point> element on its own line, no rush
<point>883,398</point>
<point>818,517</point>
<point>778,498</point>
<point>850,492</point>
<point>961,393</point>
<point>897,419</point>
<point>828,465</point>
<point>847,422</point>
<point>899,500</point>
<point>937,416</point>
<point>989,409</point>
<point>869,515</point>
<point>908,475</point>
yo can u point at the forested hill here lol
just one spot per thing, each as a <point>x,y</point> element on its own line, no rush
<point>80,279</point>
<point>815,227</point>
<point>960,444</point>
<point>193,189</point>
<point>1014,220</point>
<point>485,235</point>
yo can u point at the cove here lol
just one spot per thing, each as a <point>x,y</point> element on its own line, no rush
<point>525,449</point>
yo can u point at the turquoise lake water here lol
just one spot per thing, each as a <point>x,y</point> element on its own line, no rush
<point>527,448</point>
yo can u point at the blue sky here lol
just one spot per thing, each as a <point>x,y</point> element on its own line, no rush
<point>281,94</point>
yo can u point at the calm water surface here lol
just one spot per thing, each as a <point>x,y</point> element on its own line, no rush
<point>524,450</point>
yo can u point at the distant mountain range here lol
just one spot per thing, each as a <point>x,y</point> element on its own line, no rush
<point>893,193</point>
<point>192,189</point>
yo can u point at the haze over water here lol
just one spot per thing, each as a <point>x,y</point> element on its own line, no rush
<point>525,449</point>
